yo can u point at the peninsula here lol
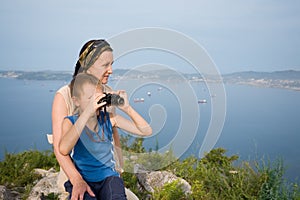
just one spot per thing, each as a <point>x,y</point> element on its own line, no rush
<point>288,79</point>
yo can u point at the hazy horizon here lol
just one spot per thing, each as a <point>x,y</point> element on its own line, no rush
<point>249,35</point>
<point>71,71</point>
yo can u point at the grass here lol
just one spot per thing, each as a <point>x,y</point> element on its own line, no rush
<point>212,177</point>
<point>17,170</point>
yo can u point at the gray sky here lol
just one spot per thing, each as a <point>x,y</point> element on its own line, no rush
<point>261,35</point>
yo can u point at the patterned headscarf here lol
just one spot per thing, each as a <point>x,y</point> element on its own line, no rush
<point>88,57</point>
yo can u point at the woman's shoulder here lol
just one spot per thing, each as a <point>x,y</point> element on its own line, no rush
<point>64,89</point>
<point>65,92</point>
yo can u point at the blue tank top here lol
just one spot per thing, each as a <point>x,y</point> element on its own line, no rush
<point>93,153</point>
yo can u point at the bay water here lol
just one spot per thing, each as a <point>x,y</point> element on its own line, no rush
<point>260,122</point>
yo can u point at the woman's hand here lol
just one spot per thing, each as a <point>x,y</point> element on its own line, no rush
<point>137,125</point>
<point>79,188</point>
<point>126,105</point>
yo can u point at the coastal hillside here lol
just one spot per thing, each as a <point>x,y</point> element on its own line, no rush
<point>288,79</point>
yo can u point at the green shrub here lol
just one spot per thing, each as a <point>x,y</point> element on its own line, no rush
<point>170,191</point>
<point>16,170</point>
<point>51,196</point>
<point>215,176</point>
<point>274,186</point>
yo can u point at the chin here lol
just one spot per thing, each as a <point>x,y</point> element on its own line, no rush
<point>104,80</point>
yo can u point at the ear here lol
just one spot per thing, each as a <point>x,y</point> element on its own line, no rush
<point>75,101</point>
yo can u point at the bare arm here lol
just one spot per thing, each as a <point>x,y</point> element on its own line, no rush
<point>59,112</point>
<point>71,132</point>
<point>117,144</point>
<point>118,150</point>
<point>137,125</point>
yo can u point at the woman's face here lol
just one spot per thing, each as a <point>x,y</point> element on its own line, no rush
<point>102,67</point>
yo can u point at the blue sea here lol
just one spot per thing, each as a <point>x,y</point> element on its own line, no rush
<point>259,122</point>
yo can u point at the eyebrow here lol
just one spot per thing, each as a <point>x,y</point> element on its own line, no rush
<point>108,63</point>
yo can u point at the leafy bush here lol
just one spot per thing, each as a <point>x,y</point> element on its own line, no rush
<point>170,191</point>
<point>215,177</point>
<point>212,177</point>
<point>150,160</point>
<point>274,186</point>
<point>16,170</point>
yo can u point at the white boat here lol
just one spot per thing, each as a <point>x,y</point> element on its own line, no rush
<point>138,100</point>
<point>202,101</point>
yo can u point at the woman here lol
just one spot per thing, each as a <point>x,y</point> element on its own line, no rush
<point>95,58</point>
<point>89,134</point>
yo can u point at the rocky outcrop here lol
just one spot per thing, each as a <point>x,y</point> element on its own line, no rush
<point>7,194</point>
<point>148,180</point>
<point>46,186</point>
<point>151,180</point>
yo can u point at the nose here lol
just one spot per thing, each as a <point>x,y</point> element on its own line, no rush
<point>109,70</point>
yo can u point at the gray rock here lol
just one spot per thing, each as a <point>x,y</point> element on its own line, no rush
<point>6,194</point>
<point>151,180</point>
<point>46,186</point>
<point>148,180</point>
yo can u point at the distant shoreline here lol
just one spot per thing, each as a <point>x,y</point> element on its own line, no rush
<point>288,79</point>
